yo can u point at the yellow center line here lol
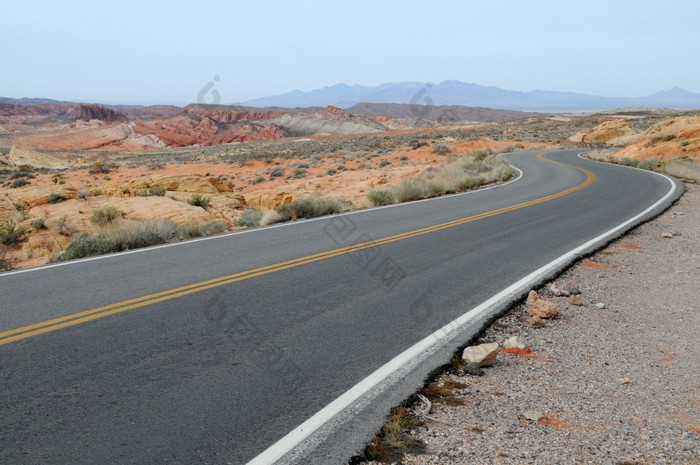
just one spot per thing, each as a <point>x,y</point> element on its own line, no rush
<point>119,307</point>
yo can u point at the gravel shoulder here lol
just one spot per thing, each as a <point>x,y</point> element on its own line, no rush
<point>615,380</point>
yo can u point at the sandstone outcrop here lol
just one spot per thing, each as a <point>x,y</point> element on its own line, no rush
<point>604,132</point>
<point>99,112</point>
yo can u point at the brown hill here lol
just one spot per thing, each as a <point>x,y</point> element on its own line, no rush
<point>440,112</point>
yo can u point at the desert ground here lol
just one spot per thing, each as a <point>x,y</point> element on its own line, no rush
<point>53,189</point>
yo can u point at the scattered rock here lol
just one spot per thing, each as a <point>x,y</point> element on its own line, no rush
<point>573,290</point>
<point>674,232</point>
<point>623,381</point>
<point>513,343</point>
<point>532,415</point>
<point>474,369</point>
<point>483,355</point>
<point>555,291</point>
<point>667,235</point>
<point>577,300</point>
<point>540,307</point>
<point>536,322</point>
<point>600,305</point>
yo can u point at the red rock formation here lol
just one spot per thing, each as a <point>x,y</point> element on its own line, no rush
<point>90,112</point>
<point>229,116</point>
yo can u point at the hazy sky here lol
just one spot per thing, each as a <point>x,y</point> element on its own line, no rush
<point>167,51</point>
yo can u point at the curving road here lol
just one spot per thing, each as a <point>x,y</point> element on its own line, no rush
<point>287,342</point>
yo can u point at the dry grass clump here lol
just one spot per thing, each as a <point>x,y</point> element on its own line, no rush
<point>119,237</point>
<point>683,168</point>
<point>11,233</point>
<point>458,173</point>
<point>393,440</point>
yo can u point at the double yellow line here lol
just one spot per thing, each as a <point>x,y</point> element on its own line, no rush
<point>101,312</point>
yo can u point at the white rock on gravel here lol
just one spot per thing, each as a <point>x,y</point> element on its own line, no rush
<point>483,355</point>
<point>513,343</point>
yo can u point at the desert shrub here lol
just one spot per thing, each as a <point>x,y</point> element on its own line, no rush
<point>310,208</point>
<point>86,245</point>
<point>384,163</point>
<point>381,197</point>
<point>105,215</point>
<point>19,183</point>
<point>683,168</point>
<point>648,164</point>
<point>56,198</point>
<point>152,191</point>
<point>410,189</point>
<point>276,172</point>
<point>129,236</point>
<point>470,182</point>
<point>668,137</point>
<point>257,180</point>
<point>457,173</point>
<point>482,154</point>
<point>199,200</point>
<point>101,167</point>
<point>300,172</point>
<point>192,230</point>
<point>332,171</point>
<point>39,223</point>
<point>6,262</point>
<point>341,167</point>
<point>416,144</point>
<point>251,218</point>
<point>441,149</point>
<point>11,233</point>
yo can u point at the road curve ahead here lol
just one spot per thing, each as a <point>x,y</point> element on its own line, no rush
<point>286,343</point>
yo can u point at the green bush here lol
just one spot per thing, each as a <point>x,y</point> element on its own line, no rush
<point>105,215</point>
<point>199,200</point>
<point>11,233</point>
<point>251,218</point>
<point>381,197</point>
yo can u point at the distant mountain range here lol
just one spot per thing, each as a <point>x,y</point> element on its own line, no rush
<point>473,95</point>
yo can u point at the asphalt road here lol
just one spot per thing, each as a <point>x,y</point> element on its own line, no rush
<point>217,374</point>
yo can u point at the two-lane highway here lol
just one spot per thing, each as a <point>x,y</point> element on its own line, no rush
<point>217,350</point>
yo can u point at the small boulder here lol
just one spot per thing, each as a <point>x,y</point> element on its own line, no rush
<point>667,235</point>
<point>573,290</point>
<point>555,291</point>
<point>577,300</point>
<point>600,305</point>
<point>540,307</point>
<point>536,322</point>
<point>513,343</point>
<point>532,415</point>
<point>483,355</point>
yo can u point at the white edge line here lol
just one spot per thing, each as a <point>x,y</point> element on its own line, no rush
<point>252,230</point>
<point>301,432</point>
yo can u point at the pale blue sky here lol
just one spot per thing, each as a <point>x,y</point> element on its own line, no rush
<point>166,51</point>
